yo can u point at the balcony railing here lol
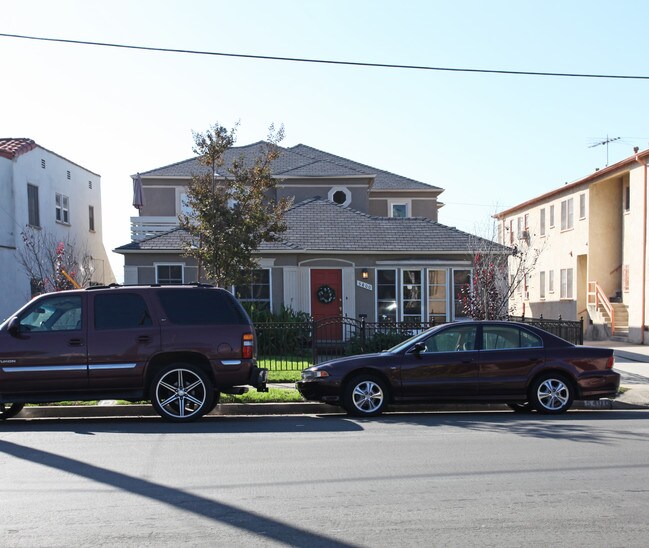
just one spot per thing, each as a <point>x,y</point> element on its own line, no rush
<point>145,227</point>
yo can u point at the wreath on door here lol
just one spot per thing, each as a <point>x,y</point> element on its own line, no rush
<point>325,294</point>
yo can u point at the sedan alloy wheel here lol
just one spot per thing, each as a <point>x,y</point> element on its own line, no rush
<point>365,396</point>
<point>552,394</point>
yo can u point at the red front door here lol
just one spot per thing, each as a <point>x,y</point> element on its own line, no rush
<point>327,301</point>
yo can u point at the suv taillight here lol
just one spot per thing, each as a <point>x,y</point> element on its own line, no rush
<point>248,346</point>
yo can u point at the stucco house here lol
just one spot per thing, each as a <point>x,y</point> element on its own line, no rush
<point>48,194</point>
<point>360,240</point>
<point>592,237</point>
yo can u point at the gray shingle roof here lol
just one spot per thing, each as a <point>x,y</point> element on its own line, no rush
<point>320,225</point>
<point>299,161</point>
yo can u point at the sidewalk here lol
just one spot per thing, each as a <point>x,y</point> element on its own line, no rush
<point>635,375</point>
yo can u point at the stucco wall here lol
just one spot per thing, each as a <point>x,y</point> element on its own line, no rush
<point>83,189</point>
<point>605,235</point>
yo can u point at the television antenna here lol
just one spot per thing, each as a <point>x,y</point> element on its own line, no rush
<point>605,142</point>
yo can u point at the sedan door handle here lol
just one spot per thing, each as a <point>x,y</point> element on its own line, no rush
<point>75,342</point>
<point>144,339</point>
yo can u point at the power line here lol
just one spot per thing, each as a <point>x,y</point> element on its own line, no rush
<point>329,61</point>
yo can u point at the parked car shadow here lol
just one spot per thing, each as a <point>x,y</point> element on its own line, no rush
<point>574,426</point>
<point>211,424</point>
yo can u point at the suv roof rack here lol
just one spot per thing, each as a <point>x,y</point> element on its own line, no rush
<point>116,285</point>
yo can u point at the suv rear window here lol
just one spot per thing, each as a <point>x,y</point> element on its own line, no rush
<point>199,306</point>
<point>120,311</point>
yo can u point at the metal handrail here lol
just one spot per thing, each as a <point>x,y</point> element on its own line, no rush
<point>600,298</point>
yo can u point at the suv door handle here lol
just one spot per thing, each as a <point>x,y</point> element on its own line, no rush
<point>144,339</point>
<point>75,342</point>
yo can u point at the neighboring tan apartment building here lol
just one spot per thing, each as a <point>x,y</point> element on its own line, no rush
<point>592,239</point>
<point>47,195</point>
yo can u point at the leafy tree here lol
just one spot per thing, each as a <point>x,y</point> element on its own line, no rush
<point>45,259</point>
<point>232,211</point>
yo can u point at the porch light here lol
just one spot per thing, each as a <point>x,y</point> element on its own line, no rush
<point>365,274</point>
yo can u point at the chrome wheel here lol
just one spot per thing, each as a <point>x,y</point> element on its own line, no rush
<point>182,393</point>
<point>8,410</point>
<point>552,394</point>
<point>365,396</point>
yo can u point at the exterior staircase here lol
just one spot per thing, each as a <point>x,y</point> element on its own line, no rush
<point>620,329</point>
<point>613,315</point>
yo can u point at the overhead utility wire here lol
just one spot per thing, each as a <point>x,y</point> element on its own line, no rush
<point>329,61</point>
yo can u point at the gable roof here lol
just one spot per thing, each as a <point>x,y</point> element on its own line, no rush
<point>298,161</point>
<point>318,225</point>
<point>13,147</point>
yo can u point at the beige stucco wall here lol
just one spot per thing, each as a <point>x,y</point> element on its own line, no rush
<point>605,235</point>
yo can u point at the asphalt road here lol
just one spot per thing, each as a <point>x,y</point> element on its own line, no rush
<point>438,479</point>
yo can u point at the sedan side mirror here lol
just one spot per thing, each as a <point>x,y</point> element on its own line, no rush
<point>419,348</point>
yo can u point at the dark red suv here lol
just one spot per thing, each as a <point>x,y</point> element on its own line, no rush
<point>178,346</point>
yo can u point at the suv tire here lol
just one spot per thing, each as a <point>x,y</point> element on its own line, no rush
<point>8,410</point>
<point>181,392</point>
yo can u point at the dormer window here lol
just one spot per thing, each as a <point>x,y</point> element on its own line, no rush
<point>340,195</point>
<point>399,208</point>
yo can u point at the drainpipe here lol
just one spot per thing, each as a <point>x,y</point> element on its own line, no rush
<point>644,247</point>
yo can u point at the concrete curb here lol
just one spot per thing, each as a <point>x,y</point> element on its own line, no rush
<point>306,408</point>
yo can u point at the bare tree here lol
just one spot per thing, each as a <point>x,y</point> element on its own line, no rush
<point>498,273</point>
<point>47,260</point>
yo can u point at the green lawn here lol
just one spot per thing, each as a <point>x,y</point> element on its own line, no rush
<point>281,370</point>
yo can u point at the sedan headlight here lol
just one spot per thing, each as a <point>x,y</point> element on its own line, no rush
<point>310,374</point>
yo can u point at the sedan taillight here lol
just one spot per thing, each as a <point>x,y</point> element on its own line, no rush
<point>248,346</point>
<point>610,363</point>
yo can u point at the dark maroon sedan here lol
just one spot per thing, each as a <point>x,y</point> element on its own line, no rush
<point>482,362</point>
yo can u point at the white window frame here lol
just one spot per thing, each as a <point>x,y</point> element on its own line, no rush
<point>542,285</point>
<point>582,206</point>
<point>551,223</point>
<point>33,206</point>
<point>62,208</point>
<point>397,290</point>
<point>567,214</point>
<point>233,290</point>
<point>401,202</point>
<point>542,222</point>
<point>551,281</point>
<point>182,272</point>
<point>567,282</point>
<point>91,218</point>
<point>343,189</point>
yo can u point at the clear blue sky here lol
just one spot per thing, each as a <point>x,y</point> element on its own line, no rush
<point>491,141</point>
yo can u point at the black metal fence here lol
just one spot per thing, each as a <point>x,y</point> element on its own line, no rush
<point>570,330</point>
<point>292,346</point>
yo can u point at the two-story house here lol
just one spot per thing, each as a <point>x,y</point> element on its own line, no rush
<point>360,240</point>
<point>592,239</point>
<point>47,194</point>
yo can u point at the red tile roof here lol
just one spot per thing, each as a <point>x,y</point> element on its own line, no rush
<point>10,148</point>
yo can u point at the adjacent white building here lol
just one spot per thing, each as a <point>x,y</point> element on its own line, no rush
<point>47,194</point>
<point>592,238</point>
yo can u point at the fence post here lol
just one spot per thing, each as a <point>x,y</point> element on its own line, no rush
<point>314,345</point>
<point>581,330</point>
<point>363,317</point>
